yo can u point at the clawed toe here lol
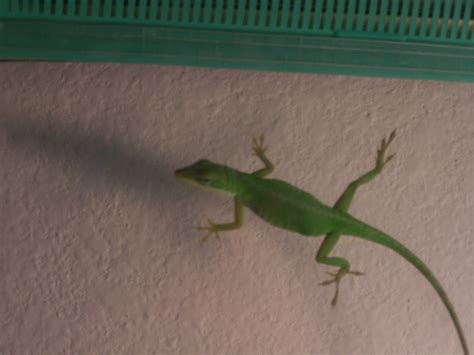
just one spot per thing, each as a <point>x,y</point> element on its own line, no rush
<point>337,277</point>
<point>211,229</point>
<point>258,147</point>
<point>381,161</point>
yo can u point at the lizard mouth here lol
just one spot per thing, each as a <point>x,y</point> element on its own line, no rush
<point>183,175</point>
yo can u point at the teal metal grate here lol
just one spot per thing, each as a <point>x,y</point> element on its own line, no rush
<point>444,29</point>
<point>443,20</point>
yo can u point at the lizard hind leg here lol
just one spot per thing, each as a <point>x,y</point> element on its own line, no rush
<point>344,266</point>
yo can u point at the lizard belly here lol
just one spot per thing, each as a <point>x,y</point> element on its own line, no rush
<point>286,206</point>
<point>288,217</point>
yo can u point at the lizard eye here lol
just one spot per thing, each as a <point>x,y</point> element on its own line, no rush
<point>205,181</point>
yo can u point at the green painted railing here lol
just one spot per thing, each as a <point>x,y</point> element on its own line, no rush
<point>428,39</point>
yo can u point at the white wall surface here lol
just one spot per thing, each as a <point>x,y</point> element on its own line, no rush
<point>98,248</point>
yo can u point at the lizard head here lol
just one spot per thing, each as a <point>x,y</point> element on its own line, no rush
<point>206,175</point>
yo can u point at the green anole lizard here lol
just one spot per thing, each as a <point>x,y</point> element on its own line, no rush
<point>290,208</point>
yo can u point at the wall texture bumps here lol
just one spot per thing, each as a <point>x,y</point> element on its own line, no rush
<point>98,251</point>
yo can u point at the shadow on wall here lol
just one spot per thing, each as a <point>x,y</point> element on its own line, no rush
<point>99,158</point>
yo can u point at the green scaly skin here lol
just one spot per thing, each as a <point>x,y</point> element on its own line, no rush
<point>290,208</point>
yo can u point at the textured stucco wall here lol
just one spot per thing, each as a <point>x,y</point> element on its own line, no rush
<point>98,251</point>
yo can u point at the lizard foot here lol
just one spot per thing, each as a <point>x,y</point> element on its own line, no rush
<point>381,161</point>
<point>337,277</point>
<point>258,147</point>
<point>212,228</point>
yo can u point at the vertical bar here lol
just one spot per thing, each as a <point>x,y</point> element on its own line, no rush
<point>107,9</point>
<point>340,14</point>
<point>262,13</point>
<point>47,7</point>
<point>119,9</point>
<point>252,13</point>
<point>296,14</point>
<point>350,15</point>
<point>197,11</point>
<point>207,12</point>
<point>165,10</point>
<point>35,7</point>
<point>393,16</point>
<point>424,18</point>
<point>82,8</point>
<point>175,7</point>
<point>446,12</point>
<point>435,18</point>
<point>328,15</point>
<point>318,15</point>
<point>95,8</point>
<point>186,13</point>
<point>132,6</point>
<point>284,18</point>
<point>154,10</point>
<point>372,14</point>
<point>274,13</point>
<point>219,9</point>
<point>306,14</point>
<point>454,24</point>
<point>142,10</point>
<point>240,12</point>
<point>403,18</point>
<point>4,7</point>
<point>414,18</point>
<point>59,8</point>
<point>14,8</point>
<point>71,4</point>
<point>361,15</point>
<point>229,12</point>
<point>382,16</point>
<point>466,18</point>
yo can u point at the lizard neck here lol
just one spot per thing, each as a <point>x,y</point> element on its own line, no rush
<point>233,183</point>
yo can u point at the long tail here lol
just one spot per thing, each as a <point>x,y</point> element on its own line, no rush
<point>367,232</point>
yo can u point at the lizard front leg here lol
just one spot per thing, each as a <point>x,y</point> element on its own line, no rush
<point>259,151</point>
<point>214,228</point>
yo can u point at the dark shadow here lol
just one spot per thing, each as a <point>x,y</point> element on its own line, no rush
<point>99,157</point>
